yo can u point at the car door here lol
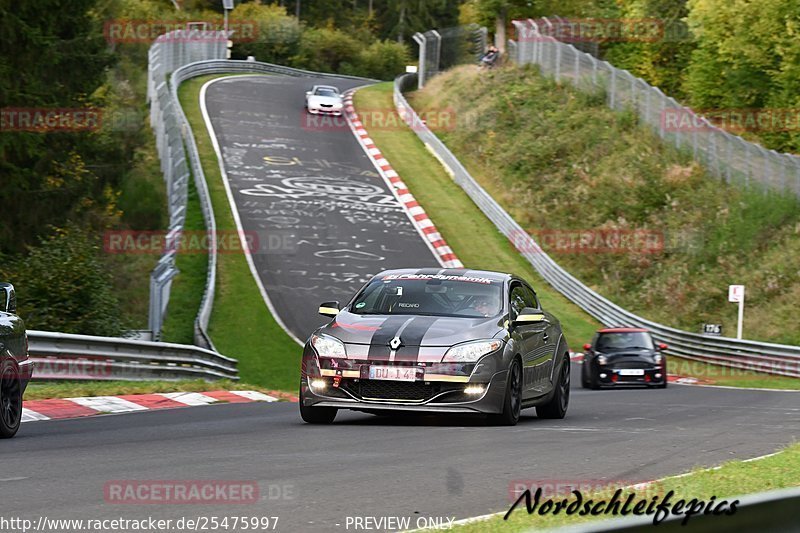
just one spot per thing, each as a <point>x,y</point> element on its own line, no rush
<point>544,341</point>
<point>528,337</point>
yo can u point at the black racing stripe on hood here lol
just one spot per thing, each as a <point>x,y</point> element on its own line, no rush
<point>412,337</point>
<point>379,344</point>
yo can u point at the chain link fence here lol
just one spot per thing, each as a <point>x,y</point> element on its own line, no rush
<point>725,155</point>
<point>169,52</point>
<point>442,49</point>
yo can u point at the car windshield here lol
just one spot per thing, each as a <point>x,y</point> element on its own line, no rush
<point>624,340</point>
<point>411,294</point>
<point>326,92</point>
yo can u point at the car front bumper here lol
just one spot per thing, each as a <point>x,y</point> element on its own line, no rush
<point>427,396</point>
<point>325,111</point>
<point>609,376</point>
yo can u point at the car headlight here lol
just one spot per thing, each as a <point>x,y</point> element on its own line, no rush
<point>328,346</point>
<point>657,358</point>
<point>602,359</point>
<point>337,106</point>
<point>469,352</point>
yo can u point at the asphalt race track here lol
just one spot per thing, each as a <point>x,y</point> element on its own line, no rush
<point>314,477</point>
<point>337,223</point>
<point>321,217</point>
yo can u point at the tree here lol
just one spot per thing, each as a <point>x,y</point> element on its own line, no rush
<point>52,56</point>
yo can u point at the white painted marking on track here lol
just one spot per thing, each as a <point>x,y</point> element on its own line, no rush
<point>189,398</point>
<point>30,416</point>
<point>108,404</point>
<point>254,395</point>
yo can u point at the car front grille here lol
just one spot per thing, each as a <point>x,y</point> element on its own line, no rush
<point>396,390</point>
<point>631,363</point>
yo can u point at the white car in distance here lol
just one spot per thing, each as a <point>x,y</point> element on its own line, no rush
<point>324,99</point>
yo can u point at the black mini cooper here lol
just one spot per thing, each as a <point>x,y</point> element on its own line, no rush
<point>623,356</point>
<point>437,340</point>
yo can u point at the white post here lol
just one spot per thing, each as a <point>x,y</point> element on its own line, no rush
<point>741,318</point>
<point>736,294</point>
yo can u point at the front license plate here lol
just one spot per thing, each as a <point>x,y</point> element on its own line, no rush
<point>394,373</point>
<point>631,372</point>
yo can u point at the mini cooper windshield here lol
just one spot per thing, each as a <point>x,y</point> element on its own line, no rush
<point>628,340</point>
<point>434,295</point>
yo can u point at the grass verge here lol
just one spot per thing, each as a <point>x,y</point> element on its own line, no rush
<point>66,389</point>
<point>189,284</point>
<point>468,232</point>
<point>241,326</point>
<point>479,244</point>
<point>731,479</point>
<point>632,217</point>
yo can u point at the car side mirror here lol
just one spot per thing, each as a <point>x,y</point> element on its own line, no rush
<point>330,309</point>
<point>8,298</point>
<point>587,347</point>
<point>529,316</point>
<point>662,346</point>
<point>308,93</point>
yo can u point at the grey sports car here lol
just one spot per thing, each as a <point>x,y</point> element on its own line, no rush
<point>437,340</point>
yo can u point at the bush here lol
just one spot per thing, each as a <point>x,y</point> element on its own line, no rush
<point>63,285</point>
<point>277,38</point>
<point>382,60</point>
<point>325,49</point>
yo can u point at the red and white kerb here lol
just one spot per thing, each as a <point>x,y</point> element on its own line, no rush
<point>419,217</point>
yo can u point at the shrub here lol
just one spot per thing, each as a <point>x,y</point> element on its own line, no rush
<point>63,285</point>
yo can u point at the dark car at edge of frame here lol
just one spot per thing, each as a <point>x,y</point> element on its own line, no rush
<point>15,367</point>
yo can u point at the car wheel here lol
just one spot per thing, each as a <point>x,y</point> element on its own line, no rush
<point>316,415</point>
<point>584,380</point>
<point>662,385</point>
<point>10,399</point>
<point>594,384</point>
<point>512,405</point>
<point>556,408</point>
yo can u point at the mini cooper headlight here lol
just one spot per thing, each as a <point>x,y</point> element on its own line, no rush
<point>657,358</point>
<point>328,346</point>
<point>469,352</point>
<point>602,359</point>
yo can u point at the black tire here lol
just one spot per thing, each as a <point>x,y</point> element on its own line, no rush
<point>556,408</point>
<point>512,404</point>
<point>316,415</point>
<point>10,399</point>
<point>584,380</point>
<point>663,385</point>
<point>594,384</point>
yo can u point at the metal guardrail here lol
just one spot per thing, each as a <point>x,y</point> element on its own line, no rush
<point>771,358</point>
<point>724,155</point>
<point>774,511</point>
<point>86,357</point>
<point>169,52</point>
